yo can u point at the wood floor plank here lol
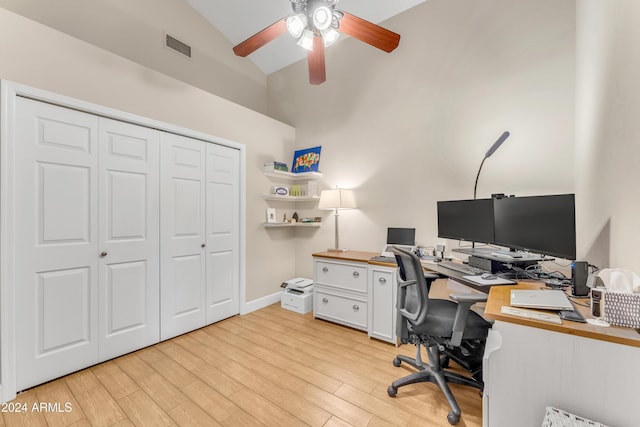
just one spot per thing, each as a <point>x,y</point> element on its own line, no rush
<point>185,358</point>
<point>65,410</point>
<point>211,401</point>
<point>117,382</point>
<point>191,415</point>
<point>82,381</point>
<point>382,408</point>
<point>99,407</point>
<point>263,410</point>
<point>143,411</point>
<point>165,394</point>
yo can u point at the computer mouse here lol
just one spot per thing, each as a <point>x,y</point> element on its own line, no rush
<point>488,276</point>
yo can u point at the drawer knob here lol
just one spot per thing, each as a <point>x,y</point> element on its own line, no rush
<point>103,254</point>
<point>325,269</point>
<point>356,274</point>
<point>382,280</point>
<point>355,308</point>
<point>324,300</point>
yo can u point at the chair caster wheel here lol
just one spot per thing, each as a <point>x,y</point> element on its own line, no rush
<point>392,391</point>
<point>397,362</point>
<point>453,418</point>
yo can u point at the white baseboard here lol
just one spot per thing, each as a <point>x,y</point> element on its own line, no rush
<point>259,303</point>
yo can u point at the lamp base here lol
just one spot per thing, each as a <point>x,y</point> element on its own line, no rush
<point>337,250</point>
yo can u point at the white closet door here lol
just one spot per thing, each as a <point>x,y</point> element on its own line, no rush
<point>129,238</point>
<point>223,206</point>
<point>56,250</point>
<point>182,230</point>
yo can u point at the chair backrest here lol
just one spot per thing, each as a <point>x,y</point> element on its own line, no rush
<point>413,289</point>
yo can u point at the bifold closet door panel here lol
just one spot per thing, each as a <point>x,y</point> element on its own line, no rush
<point>223,206</point>
<point>182,235</point>
<point>55,176</point>
<point>129,267</point>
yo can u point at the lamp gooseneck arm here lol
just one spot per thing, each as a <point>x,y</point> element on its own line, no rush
<point>475,187</point>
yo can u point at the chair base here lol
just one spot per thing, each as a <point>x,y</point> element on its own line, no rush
<point>434,373</point>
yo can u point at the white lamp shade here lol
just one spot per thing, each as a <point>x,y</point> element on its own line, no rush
<point>337,199</point>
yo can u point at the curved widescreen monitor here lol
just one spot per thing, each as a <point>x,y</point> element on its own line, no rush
<point>470,220</point>
<point>539,224</point>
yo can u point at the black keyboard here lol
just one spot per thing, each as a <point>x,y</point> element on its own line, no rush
<point>391,260</point>
<point>461,268</point>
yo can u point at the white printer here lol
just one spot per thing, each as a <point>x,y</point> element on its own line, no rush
<point>297,295</point>
<point>298,286</point>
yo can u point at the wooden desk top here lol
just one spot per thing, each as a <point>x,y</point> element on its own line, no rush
<point>358,256</point>
<point>500,295</point>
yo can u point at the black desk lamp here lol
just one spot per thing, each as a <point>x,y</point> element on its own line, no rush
<point>491,150</point>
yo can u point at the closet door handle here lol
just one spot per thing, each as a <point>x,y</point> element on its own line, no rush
<point>382,280</point>
<point>103,254</point>
<point>203,245</point>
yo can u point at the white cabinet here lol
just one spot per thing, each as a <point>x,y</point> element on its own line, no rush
<point>340,292</point>
<point>351,291</point>
<point>382,302</point>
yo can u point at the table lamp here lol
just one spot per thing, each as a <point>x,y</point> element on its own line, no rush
<point>338,198</point>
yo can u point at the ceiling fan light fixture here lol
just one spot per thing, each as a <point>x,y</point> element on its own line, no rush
<point>306,40</point>
<point>329,36</point>
<point>322,17</point>
<point>296,24</point>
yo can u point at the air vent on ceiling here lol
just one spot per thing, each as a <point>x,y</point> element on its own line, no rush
<point>177,45</point>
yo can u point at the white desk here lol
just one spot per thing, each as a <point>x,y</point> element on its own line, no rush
<point>586,370</point>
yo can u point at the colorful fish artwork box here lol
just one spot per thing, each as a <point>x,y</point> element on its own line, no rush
<point>306,160</point>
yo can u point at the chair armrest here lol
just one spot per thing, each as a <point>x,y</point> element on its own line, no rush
<point>472,298</point>
<point>402,300</point>
<point>465,301</point>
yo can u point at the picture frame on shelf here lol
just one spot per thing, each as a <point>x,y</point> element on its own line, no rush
<point>271,215</point>
<point>306,160</point>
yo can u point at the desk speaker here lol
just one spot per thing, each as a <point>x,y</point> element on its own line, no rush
<point>579,274</point>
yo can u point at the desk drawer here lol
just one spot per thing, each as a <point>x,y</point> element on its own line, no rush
<point>341,309</point>
<point>347,276</point>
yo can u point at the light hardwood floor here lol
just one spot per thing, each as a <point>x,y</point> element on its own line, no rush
<point>271,367</point>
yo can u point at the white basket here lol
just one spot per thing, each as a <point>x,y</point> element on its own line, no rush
<point>622,309</point>
<point>555,417</point>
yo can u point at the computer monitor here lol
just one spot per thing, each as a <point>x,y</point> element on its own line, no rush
<point>403,237</point>
<point>540,224</point>
<point>470,220</point>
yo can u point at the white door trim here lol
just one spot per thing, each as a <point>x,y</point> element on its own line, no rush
<point>9,91</point>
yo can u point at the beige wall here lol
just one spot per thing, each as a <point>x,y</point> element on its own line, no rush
<point>409,128</point>
<point>607,129</point>
<point>50,60</point>
<point>135,30</point>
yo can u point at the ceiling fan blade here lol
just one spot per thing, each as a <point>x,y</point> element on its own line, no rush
<point>317,74</point>
<point>261,38</point>
<point>368,32</point>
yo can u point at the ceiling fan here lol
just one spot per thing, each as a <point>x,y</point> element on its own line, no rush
<point>317,24</point>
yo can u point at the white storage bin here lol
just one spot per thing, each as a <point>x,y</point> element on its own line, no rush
<point>300,303</point>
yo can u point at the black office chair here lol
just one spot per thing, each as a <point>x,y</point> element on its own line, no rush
<point>448,329</point>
